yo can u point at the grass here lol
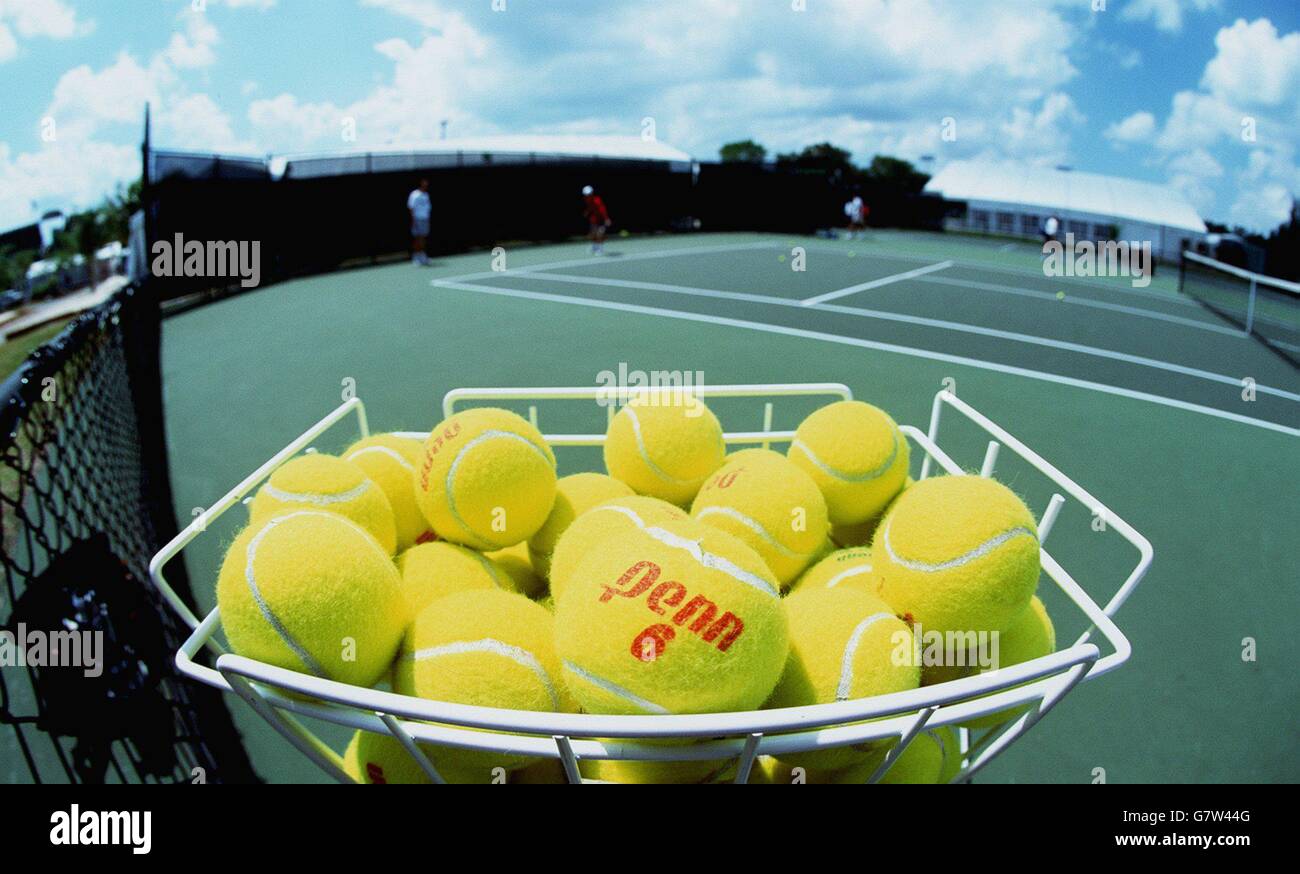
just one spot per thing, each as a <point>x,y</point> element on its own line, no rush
<point>14,351</point>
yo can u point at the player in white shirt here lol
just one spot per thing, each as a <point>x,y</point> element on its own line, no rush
<point>856,211</point>
<point>420,208</point>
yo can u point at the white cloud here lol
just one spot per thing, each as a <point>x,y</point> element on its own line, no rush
<point>195,121</point>
<point>194,47</point>
<point>64,173</point>
<point>1167,15</point>
<point>1139,127</point>
<point>52,19</point>
<point>1253,65</point>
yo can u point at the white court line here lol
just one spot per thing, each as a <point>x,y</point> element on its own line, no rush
<point>1063,345</point>
<point>872,344</point>
<point>1198,324</point>
<point>1074,281</point>
<point>592,260</point>
<point>876,283</point>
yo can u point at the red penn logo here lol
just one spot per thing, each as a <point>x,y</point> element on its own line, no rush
<point>671,600</point>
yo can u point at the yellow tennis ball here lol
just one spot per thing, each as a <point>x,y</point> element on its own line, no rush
<point>541,772</point>
<point>844,567</point>
<point>487,479</point>
<point>770,504</point>
<point>772,771</point>
<point>592,528</point>
<point>664,446</point>
<point>488,648</point>
<point>325,482</point>
<point>650,772</point>
<point>922,762</point>
<point>845,644</point>
<point>856,455</point>
<point>574,495</point>
<point>516,562</point>
<point>390,462</point>
<point>374,758</point>
<point>673,618</point>
<point>860,533</point>
<point>435,570</point>
<point>1030,636</point>
<point>957,554</point>
<point>314,592</point>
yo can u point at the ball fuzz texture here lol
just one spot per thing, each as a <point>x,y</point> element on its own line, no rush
<point>664,446</point>
<point>375,759</point>
<point>313,592</point>
<point>845,644</point>
<point>390,461</point>
<point>435,570</point>
<point>325,482</point>
<point>592,528</point>
<point>856,455</point>
<point>766,501</point>
<point>673,618</point>
<point>1031,635</point>
<point>574,495</point>
<point>844,567</point>
<point>957,554</point>
<point>487,479</point>
<point>488,648</point>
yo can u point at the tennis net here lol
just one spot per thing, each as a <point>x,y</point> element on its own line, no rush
<point>1261,305</point>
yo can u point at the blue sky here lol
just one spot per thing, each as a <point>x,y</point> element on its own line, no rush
<point>1201,94</point>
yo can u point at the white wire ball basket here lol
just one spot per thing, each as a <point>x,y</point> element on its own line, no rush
<point>1021,694</point>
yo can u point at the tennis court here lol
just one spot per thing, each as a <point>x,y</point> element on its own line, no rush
<point>1176,418</point>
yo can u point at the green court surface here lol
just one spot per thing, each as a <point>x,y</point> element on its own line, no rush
<point>1166,413</point>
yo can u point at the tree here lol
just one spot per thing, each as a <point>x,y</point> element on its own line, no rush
<point>830,159</point>
<point>1283,247</point>
<point>897,174</point>
<point>13,267</point>
<point>742,152</point>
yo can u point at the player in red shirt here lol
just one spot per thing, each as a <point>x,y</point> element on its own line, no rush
<point>597,219</point>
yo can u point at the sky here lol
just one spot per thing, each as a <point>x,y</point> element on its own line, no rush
<point>1201,94</point>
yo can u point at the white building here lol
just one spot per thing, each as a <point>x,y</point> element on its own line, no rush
<point>1015,199</point>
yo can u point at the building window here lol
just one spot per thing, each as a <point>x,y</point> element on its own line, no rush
<point>1079,229</point>
<point>1030,224</point>
<point>1103,232</point>
<point>1006,223</point>
<point>979,220</point>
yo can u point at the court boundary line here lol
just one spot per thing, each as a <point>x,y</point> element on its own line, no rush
<point>862,343</point>
<point>875,283</point>
<point>923,321</point>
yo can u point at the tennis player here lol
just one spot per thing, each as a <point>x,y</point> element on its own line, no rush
<point>420,208</point>
<point>597,219</point>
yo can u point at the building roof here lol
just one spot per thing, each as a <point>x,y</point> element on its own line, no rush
<point>1065,192</point>
<point>503,149</point>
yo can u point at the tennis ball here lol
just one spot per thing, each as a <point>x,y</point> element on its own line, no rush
<point>672,618</point>
<point>435,570</point>
<point>488,648</point>
<point>375,758</point>
<point>325,482</point>
<point>487,479</point>
<point>515,561</point>
<point>957,554</point>
<point>653,772</point>
<point>314,592</point>
<point>844,645</point>
<point>574,495</point>
<point>1031,635</point>
<point>849,567</point>
<point>664,446</point>
<point>856,455</point>
<point>770,504</point>
<point>773,771</point>
<point>921,762</point>
<point>947,737</point>
<point>860,533</point>
<point>390,462</point>
<point>596,525</point>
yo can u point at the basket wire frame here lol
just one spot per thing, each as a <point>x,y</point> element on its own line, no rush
<point>282,696</point>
